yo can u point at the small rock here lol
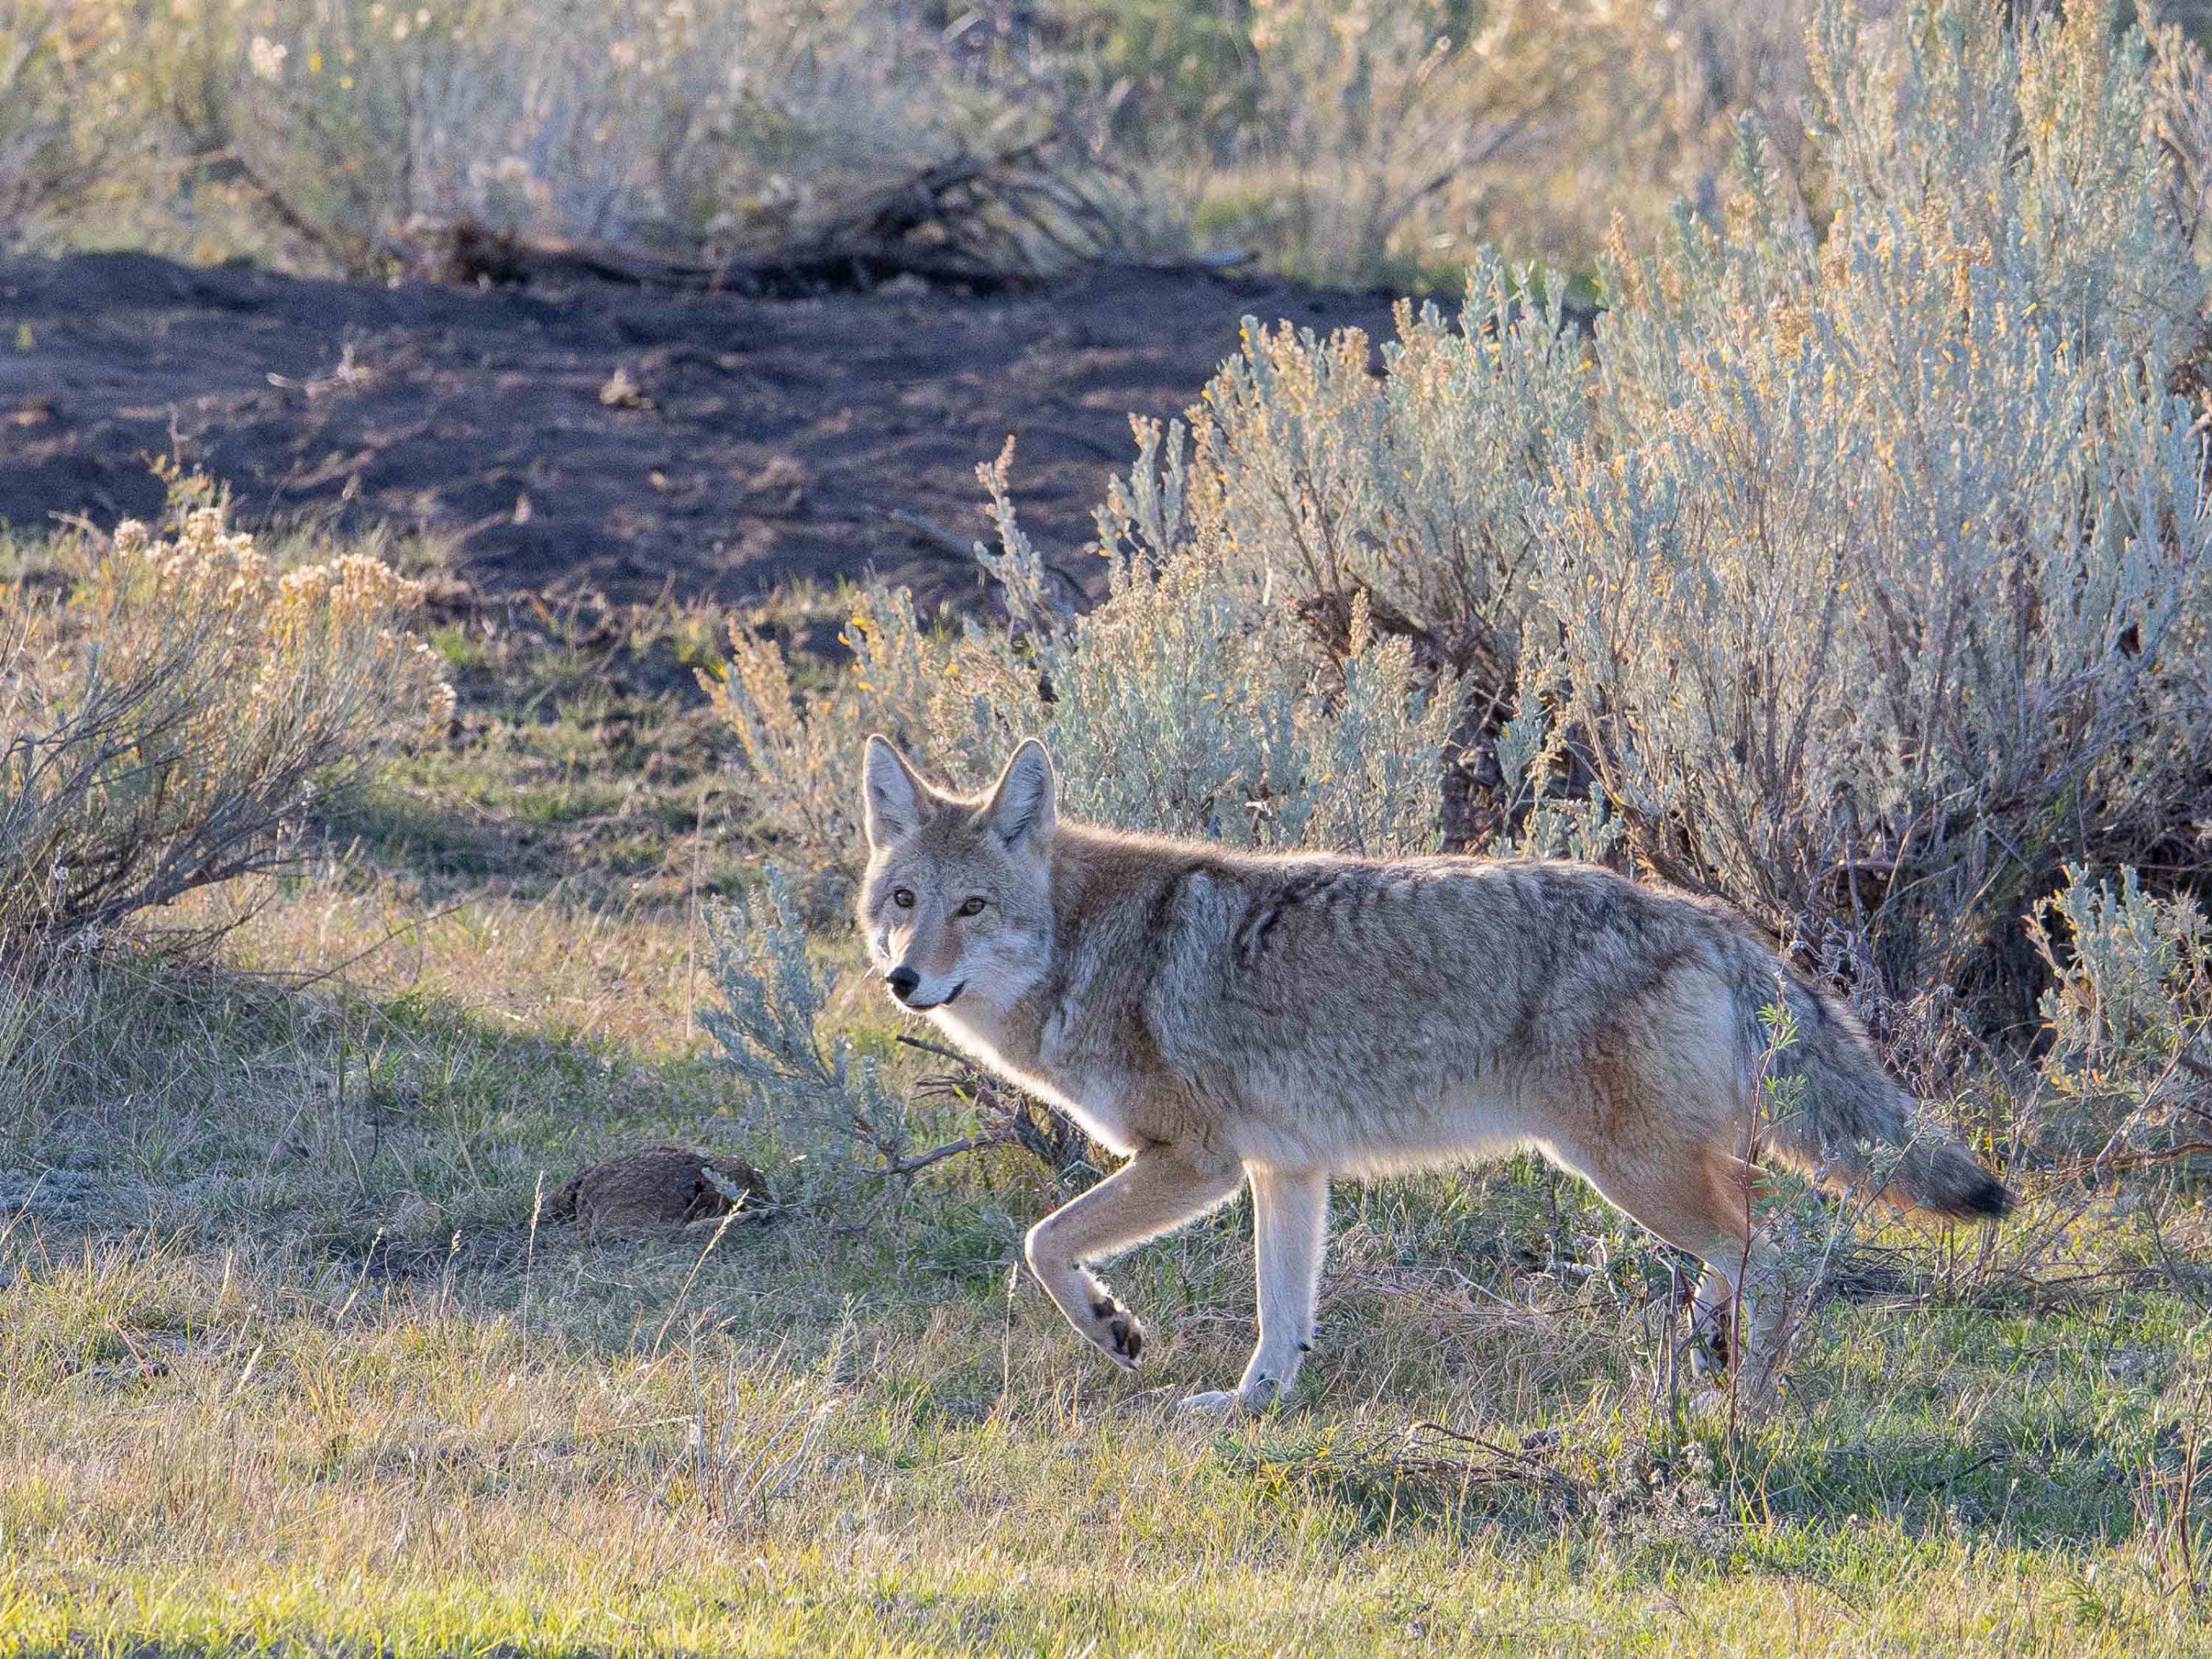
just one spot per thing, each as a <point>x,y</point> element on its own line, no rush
<point>621,391</point>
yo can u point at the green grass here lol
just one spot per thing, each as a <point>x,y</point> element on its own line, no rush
<point>586,754</point>
<point>858,1448</point>
<point>285,1363</point>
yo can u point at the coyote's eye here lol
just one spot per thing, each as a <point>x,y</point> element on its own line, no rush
<point>903,897</point>
<point>974,907</point>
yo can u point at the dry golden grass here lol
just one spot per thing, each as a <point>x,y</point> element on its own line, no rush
<point>203,1453</point>
<point>550,963</point>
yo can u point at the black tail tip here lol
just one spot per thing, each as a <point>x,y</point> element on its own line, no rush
<point>1987,1199</point>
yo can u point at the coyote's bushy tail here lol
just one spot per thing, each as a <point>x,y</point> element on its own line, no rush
<point>1851,1121</point>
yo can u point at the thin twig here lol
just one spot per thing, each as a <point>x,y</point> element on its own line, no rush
<point>906,1166</point>
<point>929,1048</point>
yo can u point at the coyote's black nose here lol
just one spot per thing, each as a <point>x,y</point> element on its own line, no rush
<point>902,981</point>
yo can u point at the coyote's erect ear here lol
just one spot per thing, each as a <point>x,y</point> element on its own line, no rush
<point>1021,804</point>
<point>894,800</point>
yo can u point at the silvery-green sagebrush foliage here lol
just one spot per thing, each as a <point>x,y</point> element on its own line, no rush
<point>1881,579</point>
<point>1188,702</point>
<point>1191,703</point>
<point>1414,488</point>
<point>825,1106</point>
<point>1857,571</point>
<point>2129,1009</point>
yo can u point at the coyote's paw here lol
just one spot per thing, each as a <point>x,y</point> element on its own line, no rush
<point>1115,1330</point>
<point>1245,1397</point>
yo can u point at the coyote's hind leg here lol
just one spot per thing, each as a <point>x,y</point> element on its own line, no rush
<point>1700,1198</point>
<point>1153,1192</point>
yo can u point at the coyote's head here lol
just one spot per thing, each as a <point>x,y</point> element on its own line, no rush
<point>957,899</point>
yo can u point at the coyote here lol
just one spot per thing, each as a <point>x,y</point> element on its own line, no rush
<point>1218,1017</point>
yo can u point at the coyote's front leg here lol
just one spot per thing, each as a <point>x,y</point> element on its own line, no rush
<point>1289,1227</point>
<point>1153,1192</point>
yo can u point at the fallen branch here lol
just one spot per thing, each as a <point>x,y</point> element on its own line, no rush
<point>906,1166</point>
<point>980,222</point>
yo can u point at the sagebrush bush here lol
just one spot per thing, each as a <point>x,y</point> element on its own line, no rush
<point>1186,703</point>
<point>724,123</point>
<point>1412,489</point>
<point>1860,572</point>
<point>1345,140</point>
<point>1337,139</point>
<point>823,1109</point>
<point>1881,578</point>
<point>2127,1011</point>
<point>178,706</point>
<point>1354,131</point>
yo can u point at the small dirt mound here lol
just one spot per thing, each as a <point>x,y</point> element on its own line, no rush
<point>656,1187</point>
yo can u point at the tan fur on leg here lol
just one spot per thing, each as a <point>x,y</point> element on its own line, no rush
<point>1153,1192</point>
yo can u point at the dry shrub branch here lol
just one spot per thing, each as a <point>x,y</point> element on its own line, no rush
<point>178,707</point>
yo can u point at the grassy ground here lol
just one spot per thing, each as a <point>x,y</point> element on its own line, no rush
<point>287,1361</point>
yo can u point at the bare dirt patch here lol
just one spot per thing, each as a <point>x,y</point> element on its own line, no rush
<point>594,434</point>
